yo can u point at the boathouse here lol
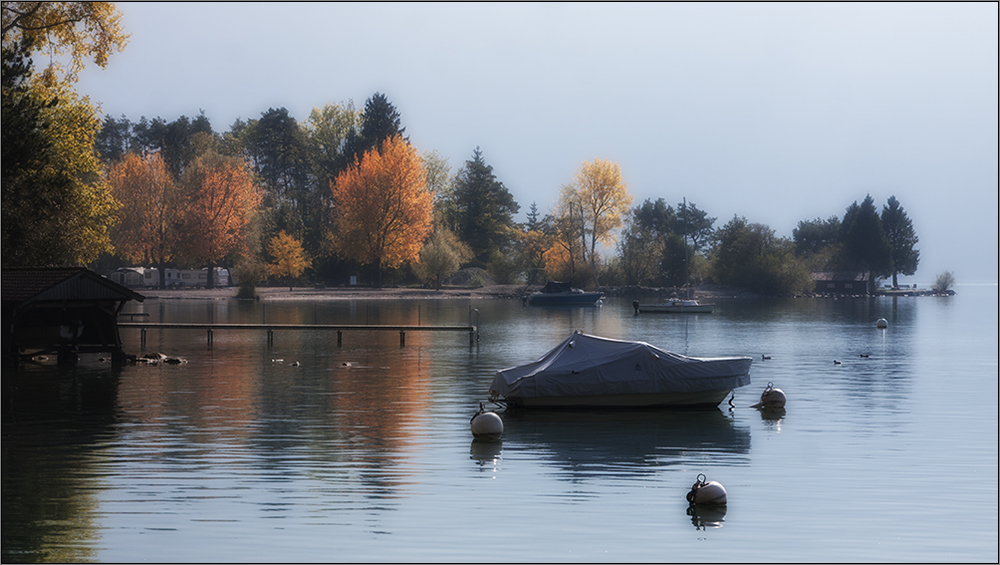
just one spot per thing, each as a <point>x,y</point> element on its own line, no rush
<point>61,311</point>
<point>842,282</point>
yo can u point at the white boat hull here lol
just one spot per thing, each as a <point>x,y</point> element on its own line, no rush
<point>678,399</point>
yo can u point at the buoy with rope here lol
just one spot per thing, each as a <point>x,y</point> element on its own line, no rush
<point>710,493</point>
<point>486,425</point>
<point>771,398</point>
<point>882,324</point>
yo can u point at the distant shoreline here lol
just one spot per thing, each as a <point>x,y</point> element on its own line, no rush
<point>494,292</point>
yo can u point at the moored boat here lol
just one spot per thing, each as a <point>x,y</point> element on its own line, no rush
<point>563,293</point>
<point>586,370</point>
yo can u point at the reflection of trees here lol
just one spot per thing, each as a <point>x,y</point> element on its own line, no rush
<point>615,443</point>
<point>372,408</point>
<point>53,419</point>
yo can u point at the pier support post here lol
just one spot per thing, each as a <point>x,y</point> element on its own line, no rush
<point>270,337</point>
<point>211,338</point>
<point>402,338</point>
<point>340,338</point>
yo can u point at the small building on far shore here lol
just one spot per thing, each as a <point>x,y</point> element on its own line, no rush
<point>61,311</point>
<point>842,282</point>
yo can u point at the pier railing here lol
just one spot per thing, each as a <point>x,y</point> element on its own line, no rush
<point>210,329</point>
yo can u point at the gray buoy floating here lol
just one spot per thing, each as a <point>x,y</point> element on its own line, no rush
<point>486,425</point>
<point>881,324</point>
<point>771,398</point>
<point>710,493</point>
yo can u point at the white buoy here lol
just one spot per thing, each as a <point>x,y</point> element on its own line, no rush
<point>486,425</point>
<point>771,397</point>
<point>881,324</point>
<point>708,493</point>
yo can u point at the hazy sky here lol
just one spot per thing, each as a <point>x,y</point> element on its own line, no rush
<point>776,112</point>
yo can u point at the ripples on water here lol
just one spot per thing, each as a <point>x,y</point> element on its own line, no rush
<point>363,452</point>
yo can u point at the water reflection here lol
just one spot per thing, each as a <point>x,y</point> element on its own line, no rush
<point>55,423</point>
<point>704,517</point>
<point>617,443</point>
<point>486,453</point>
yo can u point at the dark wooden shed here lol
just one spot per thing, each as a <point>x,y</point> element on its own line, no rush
<point>842,282</point>
<point>63,311</point>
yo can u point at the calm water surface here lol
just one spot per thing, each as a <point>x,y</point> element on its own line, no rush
<point>363,453</point>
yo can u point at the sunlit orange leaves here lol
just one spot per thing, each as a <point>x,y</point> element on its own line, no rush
<point>384,207</point>
<point>149,199</point>
<point>222,196</point>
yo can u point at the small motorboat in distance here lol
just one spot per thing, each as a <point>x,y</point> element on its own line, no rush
<point>675,306</point>
<point>563,293</point>
<point>586,370</point>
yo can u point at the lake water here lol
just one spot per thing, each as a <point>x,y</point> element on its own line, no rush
<point>364,453</point>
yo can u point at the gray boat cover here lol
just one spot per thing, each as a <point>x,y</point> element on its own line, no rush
<point>587,365</point>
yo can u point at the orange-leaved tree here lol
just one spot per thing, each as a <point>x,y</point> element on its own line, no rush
<point>147,221</point>
<point>221,197</point>
<point>289,259</point>
<point>384,210</point>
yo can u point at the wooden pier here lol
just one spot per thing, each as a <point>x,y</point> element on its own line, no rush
<point>210,329</point>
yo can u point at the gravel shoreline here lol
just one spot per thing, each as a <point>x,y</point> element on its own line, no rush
<point>496,292</point>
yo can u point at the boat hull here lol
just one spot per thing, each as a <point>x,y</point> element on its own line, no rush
<point>708,398</point>
<point>662,308</point>
<point>571,298</point>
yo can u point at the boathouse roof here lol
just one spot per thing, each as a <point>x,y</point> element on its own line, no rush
<point>43,284</point>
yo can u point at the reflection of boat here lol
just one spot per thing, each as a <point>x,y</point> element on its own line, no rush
<point>609,441</point>
<point>563,293</point>
<point>675,306</point>
<point>586,370</point>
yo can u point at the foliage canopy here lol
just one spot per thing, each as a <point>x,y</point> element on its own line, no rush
<point>384,208</point>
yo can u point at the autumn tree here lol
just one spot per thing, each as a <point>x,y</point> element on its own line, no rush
<point>289,258</point>
<point>79,30</point>
<point>57,208</point>
<point>902,239</point>
<point>384,208</point>
<point>220,198</point>
<point>603,199</point>
<point>150,214</point>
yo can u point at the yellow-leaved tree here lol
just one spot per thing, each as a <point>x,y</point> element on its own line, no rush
<point>601,198</point>
<point>82,30</point>
<point>289,258</point>
<point>384,210</point>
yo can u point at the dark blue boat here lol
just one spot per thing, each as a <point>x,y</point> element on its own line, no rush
<point>563,293</point>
